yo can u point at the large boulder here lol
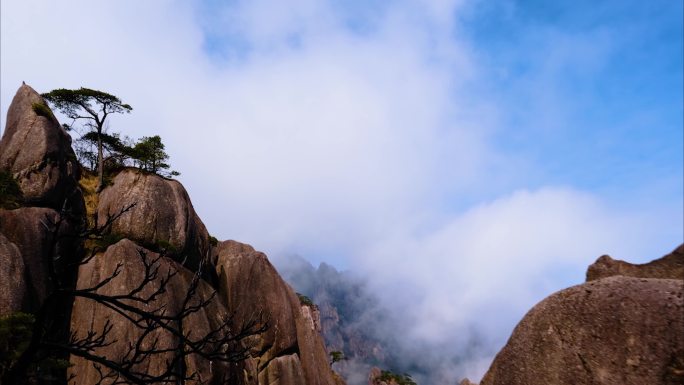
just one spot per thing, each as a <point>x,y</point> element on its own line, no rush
<point>37,151</point>
<point>89,315</point>
<point>670,266</point>
<point>291,351</point>
<point>616,330</point>
<point>162,218</point>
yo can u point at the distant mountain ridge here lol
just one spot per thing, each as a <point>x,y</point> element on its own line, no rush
<point>353,319</point>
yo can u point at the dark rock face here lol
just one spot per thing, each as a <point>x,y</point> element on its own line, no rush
<point>37,151</point>
<point>88,315</point>
<point>291,351</point>
<point>24,229</point>
<point>163,215</point>
<point>616,330</point>
<point>670,266</point>
<point>12,283</point>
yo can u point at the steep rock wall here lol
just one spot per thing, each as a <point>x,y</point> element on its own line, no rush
<point>291,350</point>
<point>89,315</point>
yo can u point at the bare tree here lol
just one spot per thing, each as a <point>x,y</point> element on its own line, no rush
<point>224,343</point>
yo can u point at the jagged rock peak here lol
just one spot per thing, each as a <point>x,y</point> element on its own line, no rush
<point>669,266</point>
<point>37,151</point>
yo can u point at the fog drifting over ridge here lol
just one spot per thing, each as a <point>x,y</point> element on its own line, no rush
<point>375,138</point>
<point>445,311</point>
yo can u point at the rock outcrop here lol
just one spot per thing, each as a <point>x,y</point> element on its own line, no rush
<point>37,151</point>
<point>291,351</point>
<point>616,330</point>
<point>670,266</point>
<point>163,215</point>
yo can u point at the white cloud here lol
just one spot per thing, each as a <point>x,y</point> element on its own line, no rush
<point>511,252</point>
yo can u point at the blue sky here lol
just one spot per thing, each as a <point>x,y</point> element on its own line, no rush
<point>618,75</point>
<point>470,156</point>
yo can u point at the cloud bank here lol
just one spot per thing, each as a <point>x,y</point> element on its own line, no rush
<point>372,136</point>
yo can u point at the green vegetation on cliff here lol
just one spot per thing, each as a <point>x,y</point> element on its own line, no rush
<point>10,192</point>
<point>399,379</point>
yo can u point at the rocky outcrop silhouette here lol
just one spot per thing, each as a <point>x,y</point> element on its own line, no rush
<point>670,266</point>
<point>37,151</point>
<point>616,330</point>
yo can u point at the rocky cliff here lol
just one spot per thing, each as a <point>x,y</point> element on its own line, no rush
<point>624,326</point>
<point>157,247</point>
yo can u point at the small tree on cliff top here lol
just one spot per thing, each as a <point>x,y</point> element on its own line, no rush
<point>94,107</point>
<point>150,155</point>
